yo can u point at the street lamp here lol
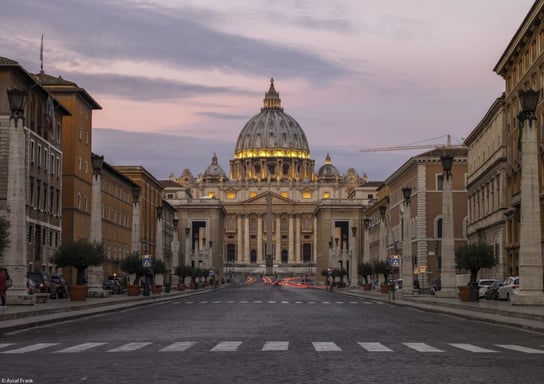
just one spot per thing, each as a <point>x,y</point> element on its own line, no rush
<point>382,208</point>
<point>97,162</point>
<point>16,99</point>
<point>530,249</point>
<point>159,212</point>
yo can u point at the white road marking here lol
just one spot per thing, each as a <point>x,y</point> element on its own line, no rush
<point>31,348</point>
<point>129,347</point>
<point>422,347</point>
<point>244,302</point>
<point>472,348</point>
<point>226,346</point>
<point>375,347</point>
<point>179,346</point>
<point>271,302</point>
<point>80,348</point>
<point>519,348</point>
<point>257,302</point>
<point>217,302</point>
<point>321,346</point>
<point>4,345</point>
<point>285,302</point>
<point>276,346</point>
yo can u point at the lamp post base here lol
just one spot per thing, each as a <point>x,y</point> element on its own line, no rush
<point>527,298</point>
<point>19,297</point>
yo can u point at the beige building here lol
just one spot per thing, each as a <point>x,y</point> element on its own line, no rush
<point>274,212</point>
<point>521,68</point>
<point>488,202</point>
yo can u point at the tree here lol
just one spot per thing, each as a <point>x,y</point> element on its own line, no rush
<point>473,257</point>
<point>159,266</point>
<point>132,265</point>
<point>183,271</point>
<point>365,270</point>
<point>4,235</point>
<point>79,254</point>
<point>381,268</point>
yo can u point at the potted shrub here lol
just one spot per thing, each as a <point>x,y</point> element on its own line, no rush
<point>182,271</point>
<point>159,269</point>
<point>473,257</point>
<point>365,270</point>
<point>132,265</point>
<point>79,254</point>
<point>382,268</point>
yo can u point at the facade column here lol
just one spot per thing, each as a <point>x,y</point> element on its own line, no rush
<point>187,259</point>
<point>96,273</point>
<point>530,248</point>
<point>135,240</point>
<point>447,277</point>
<point>278,240</point>
<point>245,256</point>
<point>15,258</point>
<point>297,240</point>
<point>239,241</point>
<point>260,231</point>
<point>291,240</point>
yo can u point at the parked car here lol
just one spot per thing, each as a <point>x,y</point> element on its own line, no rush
<point>112,285</point>
<point>43,283</point>
<point>491,293</point>
<point>483,284</point>
<point>60,286</point>
<point>506,291</point>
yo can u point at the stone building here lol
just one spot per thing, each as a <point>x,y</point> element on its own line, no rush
<point>487,186</point>
<point>273,212</point>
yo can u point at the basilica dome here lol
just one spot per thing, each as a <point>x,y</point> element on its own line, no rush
<point>272,133</point>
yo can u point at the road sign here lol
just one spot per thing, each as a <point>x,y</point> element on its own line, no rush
<point>146,262</point>
<point>423,268</point>
<point>394,261</point>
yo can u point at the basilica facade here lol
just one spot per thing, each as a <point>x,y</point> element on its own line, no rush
<point>273,213</point>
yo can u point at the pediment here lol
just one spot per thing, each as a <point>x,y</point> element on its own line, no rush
<point>262,198</point>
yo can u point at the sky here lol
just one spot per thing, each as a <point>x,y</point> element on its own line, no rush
<point>178,79</point>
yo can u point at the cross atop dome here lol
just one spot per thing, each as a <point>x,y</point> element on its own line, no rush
<point>272,98</point>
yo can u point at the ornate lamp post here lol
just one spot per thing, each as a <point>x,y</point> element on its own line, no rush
<point>15,259</point>
<point>407,273</point>
<point>530,248</point>
<point>135,243</point>
<point>383,234</point>
<point>96,274</point>
<point>447,276</point>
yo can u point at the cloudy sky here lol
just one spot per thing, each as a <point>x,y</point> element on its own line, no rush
<point>178,79</point>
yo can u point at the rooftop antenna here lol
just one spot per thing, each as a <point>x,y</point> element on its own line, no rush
<point>41,56</point>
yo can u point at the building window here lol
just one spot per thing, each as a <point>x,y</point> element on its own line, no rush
<point>86,137</point>
<point>231,195</point>
<point>79,163</point>
<point>306,194</point>
<point>80,133</point>
<point>211,195</point>
<point>284,194</point>
<point>439,182</point>
<point>39,155</point>
<point>32,154</point>
<point>252,194</point>
<point>326,195</point>
<point>45,158</point>
<point>78,200</point>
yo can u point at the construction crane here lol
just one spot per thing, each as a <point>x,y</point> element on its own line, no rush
<point>413,146</point>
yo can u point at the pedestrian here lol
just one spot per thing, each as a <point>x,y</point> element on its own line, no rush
<point>4,277</point>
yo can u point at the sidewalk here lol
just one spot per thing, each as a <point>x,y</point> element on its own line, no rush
<point>491,311</point>
<point>17,317</point>
<point>14,317</point>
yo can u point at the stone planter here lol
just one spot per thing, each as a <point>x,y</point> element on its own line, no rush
<point>468,293</point>
<point>367,287</point>
<point>78,292</point>
<point>384,288</point>
<point>181,287</point>
<point>133,290</point>
<point>157,289</point>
